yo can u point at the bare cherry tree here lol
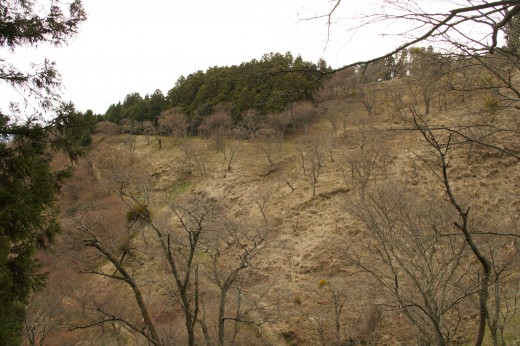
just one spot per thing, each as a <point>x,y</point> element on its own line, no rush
<point>173,122</point>
<point>311,153</point>
<point>302,114</point>
<point>364,167</point>
<point>409,251</point>
<point>194,157</point>
<point>484,34</point>
<point>471,234</point>
<point>90,231</point>
<point>366,92</point>
<point>46,316</point>
<point>232,149</point>
<point>232,253</point>
<point>268,142</point>
<point>217,127</point>
<point>195,219</point>
<point>251,122</point>
<point>337,299</point>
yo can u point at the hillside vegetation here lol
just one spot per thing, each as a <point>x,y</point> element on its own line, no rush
<point>265,86</point>
<point>362,218</point>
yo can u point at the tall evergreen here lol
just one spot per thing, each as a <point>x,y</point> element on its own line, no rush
<point>27,182</point>
<point>512,31</point>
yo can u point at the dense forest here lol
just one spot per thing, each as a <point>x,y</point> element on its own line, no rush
<point>276,92</point>
<point>267,85</point>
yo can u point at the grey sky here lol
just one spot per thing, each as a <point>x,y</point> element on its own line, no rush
<point>139,46</point>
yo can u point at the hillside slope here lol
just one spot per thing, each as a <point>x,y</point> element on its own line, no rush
<point>309,201</point>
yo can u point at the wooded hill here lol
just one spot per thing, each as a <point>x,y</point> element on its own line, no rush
<point>385,212</point>
<point>267,85</point>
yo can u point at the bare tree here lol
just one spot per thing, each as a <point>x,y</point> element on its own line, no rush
<point>453,27</point>
<point>279,122</point>
<point>503,300</point>
<point>107,127</point>
<point>148,130</point>
<point>194,238</point>
<point>395,96</point>
<point>262,201</point>
<point>45,316</point>
<point>449,22</point>
<point>442,151</point>
<point>337,299</point>
<point>366,94</point>
<point>269,141</point>
<point>244,240</point>
<point>173,122</point>
<point>364,167</point>
<point>427,70</point>
<point>410,252</point>
<point>232,151</point>
<point>251,122</point>
<point>333,118</point>
<point>193,156</point>
<point>217,126</point>
<point>302,114</point>
<point>311,153</point>
<point>119,273</point>
<point>179,243</point>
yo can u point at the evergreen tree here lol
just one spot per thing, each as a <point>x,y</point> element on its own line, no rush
<point>268,85</point>
<point>155,105</point>
<point>512,31</point>
<point>27,181</point>
<point>115,113</point>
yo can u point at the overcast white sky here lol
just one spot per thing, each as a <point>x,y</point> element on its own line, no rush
<point>130,46</point>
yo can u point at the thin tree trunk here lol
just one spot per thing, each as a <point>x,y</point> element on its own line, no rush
<point>221,315</point>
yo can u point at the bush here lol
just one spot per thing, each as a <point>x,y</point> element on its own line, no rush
<point>491,105</point>
<point>107,127</point>
<point>139,212</point>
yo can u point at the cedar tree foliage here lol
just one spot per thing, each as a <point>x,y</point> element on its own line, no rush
<point>27,181</point>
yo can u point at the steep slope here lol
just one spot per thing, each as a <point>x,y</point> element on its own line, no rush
<point>303,280</point>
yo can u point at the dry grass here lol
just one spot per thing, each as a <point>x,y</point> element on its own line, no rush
<point>307,232</point>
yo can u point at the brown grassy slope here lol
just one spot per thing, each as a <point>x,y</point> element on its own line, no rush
<point>309,232</point>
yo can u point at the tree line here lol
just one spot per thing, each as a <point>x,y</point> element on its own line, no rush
<point>267,85</point>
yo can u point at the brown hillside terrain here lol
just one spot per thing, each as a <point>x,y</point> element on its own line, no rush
<point>310,204</point>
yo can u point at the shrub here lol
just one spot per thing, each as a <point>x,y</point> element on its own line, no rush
<point>107,127</point>
<point>139,212</point>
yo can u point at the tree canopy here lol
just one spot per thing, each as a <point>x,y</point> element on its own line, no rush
<point>266,85</point>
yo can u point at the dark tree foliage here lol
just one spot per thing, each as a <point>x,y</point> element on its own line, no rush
<point>267,85</point>
<point>512,33</point>
<point>28,214</point>
<point>27,181</point>
<point>137,108</point>
<point>22,22</point>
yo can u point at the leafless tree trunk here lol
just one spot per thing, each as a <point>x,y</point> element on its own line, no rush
<point>244,239</point>
<point>233,150</point>
<point>269,141</point>
<point>45,316</point>
<point>192,218</point>
<point>442,152</point>
<point>363,165</point>
<point>120,274</point>
<point>338,300</point>
<point>311,151</point>
<point>409,254</point>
